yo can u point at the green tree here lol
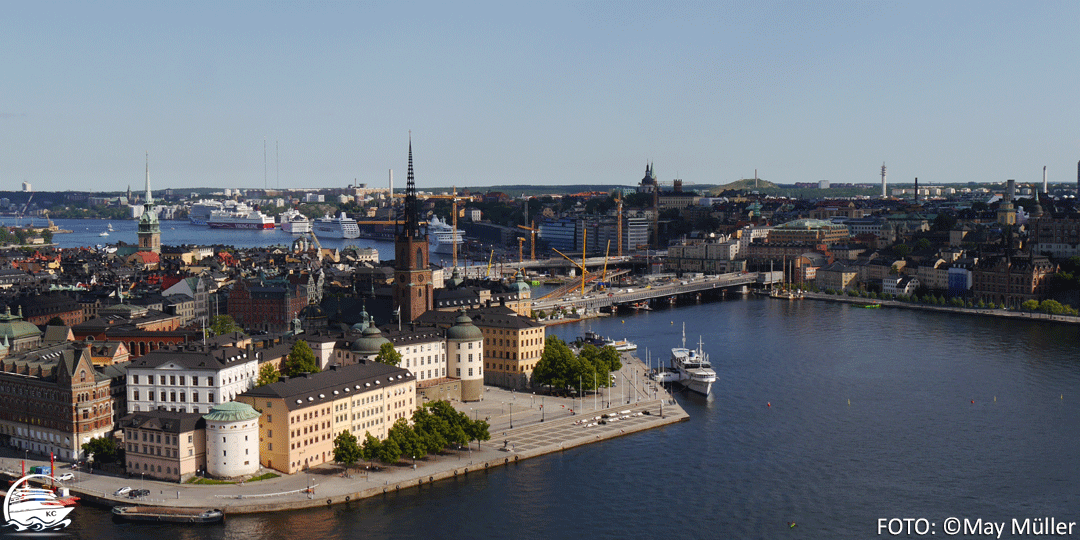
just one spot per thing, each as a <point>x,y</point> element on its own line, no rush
<point>346,451</point>
<point>223,324</point>
<point>554,367</point>
<point>301,360</point>
<point>388,451</point>
<point>56,321</point>
<point>406,439</point>
<point>1030,305</point>
<point>268,374</point>
<point>104,449</point>
<point>388,355</point>
<point>370,449</point>
<point>1052,307</point>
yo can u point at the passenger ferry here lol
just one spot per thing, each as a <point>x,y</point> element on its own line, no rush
<point>690,368</point>
<point>336,227</point>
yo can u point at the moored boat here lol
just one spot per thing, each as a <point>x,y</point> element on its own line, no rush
<point>695,371</point>
<point>157,514</point>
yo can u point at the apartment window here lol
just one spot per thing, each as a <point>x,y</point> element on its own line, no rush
<point>134,379</point>
<point>172,380</point>
<point>181,380</point>
<point>470,372</point>
<point>194,380</point>
<point>458,374</point>
<point>151,396</point>
<point>136,396</point>
<point>195,397</point>
<point>210,397</point>
<point>189,439</point>
<point>161,380</point>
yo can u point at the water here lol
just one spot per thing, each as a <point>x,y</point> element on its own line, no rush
<point>910,444</point>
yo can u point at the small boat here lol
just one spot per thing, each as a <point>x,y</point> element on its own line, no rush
<point>109,227</point>
<point>872,305</point>
<point>104,233</point>
<point>596,340</point>
<point>157,514</point>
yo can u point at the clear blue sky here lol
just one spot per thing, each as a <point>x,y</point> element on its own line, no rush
<point>536,93</point>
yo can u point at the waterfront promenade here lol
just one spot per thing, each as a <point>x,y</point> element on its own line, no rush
<point>522,426</point>
<point>981,312</point>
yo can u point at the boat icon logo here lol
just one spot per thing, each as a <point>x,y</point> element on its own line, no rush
<point>36,509</point>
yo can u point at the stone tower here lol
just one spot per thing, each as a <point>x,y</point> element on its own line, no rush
<point>413,290</point>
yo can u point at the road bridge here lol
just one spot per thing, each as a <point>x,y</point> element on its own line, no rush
<point>602,299</point>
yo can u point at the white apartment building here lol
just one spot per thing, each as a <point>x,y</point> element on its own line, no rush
<point>192,379</point>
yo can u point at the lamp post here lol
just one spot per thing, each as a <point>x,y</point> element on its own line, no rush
<point>542,399</point>
<point>511,415</point>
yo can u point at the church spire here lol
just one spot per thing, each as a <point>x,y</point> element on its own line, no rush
<point>412,210</point>
<point>149,199</point>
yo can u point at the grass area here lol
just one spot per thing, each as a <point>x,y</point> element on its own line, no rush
<point>208,481</point>
<point>211,481</point>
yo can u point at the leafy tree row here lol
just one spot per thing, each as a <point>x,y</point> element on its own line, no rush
<point>561,369</point>
<point>435,426</point>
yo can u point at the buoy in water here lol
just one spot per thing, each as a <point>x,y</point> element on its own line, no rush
<point>769,404</point>
<point>849,402</point>
<point>973,402</point>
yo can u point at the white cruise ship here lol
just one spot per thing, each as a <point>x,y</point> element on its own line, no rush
<point>693,368</point>
<point>336,227</point>
<point>241,217</point>
<point>442,237</point>
<point>199,213</point>
<point>292,221</point>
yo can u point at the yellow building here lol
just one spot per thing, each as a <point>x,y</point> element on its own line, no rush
<point>301,416</point>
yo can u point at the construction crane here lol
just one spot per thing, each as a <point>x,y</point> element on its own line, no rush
<point>490,260</point>
<point>603,275</point>
<point>532,239</point>
<point>521,257</point>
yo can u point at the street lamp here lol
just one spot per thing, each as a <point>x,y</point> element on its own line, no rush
<point>542,398</point>
<point>511,416</point>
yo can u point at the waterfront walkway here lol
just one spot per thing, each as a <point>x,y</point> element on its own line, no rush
<point>983,312</point>
<point>522,426</point>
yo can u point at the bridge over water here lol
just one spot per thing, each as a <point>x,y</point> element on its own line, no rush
<point>594,300</point>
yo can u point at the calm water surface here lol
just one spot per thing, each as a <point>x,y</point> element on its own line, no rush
<point>910,444</point>
<point>874,414</point>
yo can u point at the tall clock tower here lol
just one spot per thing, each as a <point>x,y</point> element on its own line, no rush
<point>413,290</point>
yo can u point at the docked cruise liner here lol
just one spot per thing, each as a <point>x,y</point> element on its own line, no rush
<point>292,221</point>
<point>199,213</point>
<point>242,217</point>
<point>336,227</point>
<point>442,237</point>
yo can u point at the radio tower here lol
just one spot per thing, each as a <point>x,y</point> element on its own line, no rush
<point>883,179</point>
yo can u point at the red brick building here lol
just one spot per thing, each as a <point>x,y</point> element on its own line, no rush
<point>265,304</point>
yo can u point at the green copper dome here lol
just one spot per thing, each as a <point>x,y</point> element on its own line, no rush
<point>464,330</point>
<point>231,412</point>
<point>13,327</point>
<point>369,342</point>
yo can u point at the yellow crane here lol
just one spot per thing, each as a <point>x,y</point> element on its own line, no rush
<point>521,255</point>
<point>490,260</point>
<point>603,275</point>
<point>532,239</point>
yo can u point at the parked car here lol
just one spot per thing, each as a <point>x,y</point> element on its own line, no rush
<point>66,477</point>
<point>136,493</point>
<point>122,490</point>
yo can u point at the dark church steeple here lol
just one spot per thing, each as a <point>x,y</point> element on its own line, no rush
<point>413,290</point>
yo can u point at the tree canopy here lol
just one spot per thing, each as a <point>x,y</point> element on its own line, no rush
<point>223,324</point>
<point>301,360</point>
<point>346,450</point>
<point>268,374</point>
<point>560,368</point>
<point>435,426</point>
<point>388,355</point>
<point>104,449</point>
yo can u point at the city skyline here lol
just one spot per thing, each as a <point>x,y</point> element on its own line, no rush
<point>569,93</point>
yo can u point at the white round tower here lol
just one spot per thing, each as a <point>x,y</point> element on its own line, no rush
<point>232,440</point>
